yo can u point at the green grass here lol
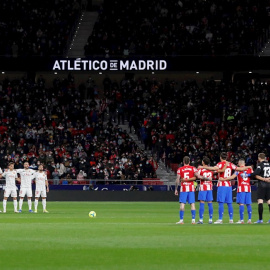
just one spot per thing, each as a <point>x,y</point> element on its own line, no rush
<point>139,235</point>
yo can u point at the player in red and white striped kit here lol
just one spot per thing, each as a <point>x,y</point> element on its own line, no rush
<point>187,174</point>
<point>205,191</point>
<point>224,192</point>
<point>244,191</point>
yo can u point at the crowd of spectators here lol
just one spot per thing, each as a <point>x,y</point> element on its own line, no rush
<point>41,125</point>
<point>175,119</point>
<point>36,28</point>
<point>83,139</point>
<point>160,27</point>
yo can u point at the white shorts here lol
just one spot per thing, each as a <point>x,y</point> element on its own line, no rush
<point>10,192</point>
<point>41,193</point>
<point>25,191</point>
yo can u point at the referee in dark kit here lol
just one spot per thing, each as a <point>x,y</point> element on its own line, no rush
<point>262,173</point>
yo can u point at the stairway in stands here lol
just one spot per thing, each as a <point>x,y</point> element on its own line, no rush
<point>265,51</point>
<point>83,31</point>
<point>167,176</point>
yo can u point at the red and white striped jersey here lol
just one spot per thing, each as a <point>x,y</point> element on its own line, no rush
<point>244,182</point>
<point>187,172</point>
<point>227,173</point>
<point>206,185</point>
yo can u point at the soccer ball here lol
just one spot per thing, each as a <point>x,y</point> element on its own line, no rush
<point>92,214</point>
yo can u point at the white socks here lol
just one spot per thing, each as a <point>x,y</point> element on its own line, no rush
<point>44,204</point>
<point>4,205</point>
<point>36,205</point>
<point>15,205</point>
<point>30,204</point>
<point>20,204</point>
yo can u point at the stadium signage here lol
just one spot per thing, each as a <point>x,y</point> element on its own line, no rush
<point>107,65</point>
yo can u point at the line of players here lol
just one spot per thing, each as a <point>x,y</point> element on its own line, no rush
<point>187,174</point>
<point>26,177</point>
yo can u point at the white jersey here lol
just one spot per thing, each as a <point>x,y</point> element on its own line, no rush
<point>26,177</point>
<point>10,177</point>
<point>40,180</point>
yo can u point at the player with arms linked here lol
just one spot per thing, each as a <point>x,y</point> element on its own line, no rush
<point>42,187</point>
<point>26,186</point>
<point>224,191</point>
<point>205,191</point>
<point>11,190</point>
<point>187,174</point>
<point>243,191</point>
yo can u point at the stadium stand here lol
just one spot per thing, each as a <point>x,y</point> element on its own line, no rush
<point>179,119</point>
<point>170,28</point>
<point>83,140</point>
<point>36,28</point>
<point>40,125</point>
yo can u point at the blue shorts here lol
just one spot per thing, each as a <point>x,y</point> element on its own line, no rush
<point>187,197</point>
<point>244,198</point>
<point>224,195</point>
<point>206,196</point>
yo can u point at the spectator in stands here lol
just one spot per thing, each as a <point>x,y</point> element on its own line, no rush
<point>81,176</point>
<point>148,169</point>
<point>68,178</point>
<point>88,144</point>
<point>40,29</point>
<point>179,28</point>
<point>62,170</point>
<point>55,176</point>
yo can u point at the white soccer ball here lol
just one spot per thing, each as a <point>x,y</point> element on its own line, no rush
<point>92,214</point>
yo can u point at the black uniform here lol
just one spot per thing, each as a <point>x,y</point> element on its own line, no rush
<point>263,170</point>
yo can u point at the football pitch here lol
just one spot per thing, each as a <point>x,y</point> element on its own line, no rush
<point>129,235</point>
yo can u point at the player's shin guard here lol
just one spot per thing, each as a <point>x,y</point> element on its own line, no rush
<point>220,210</point>
<point>30,204</point>
<point>20,204</point>
<point>210,209</point>
<point>249,210</point>
<point>201,211</point>
<point>241,211</point>
<point>4,205</point>
<point>181,214</point>
<point>15,204</point>
<point>260,210</point>
<point>36,205</point>
<point>230,209</point>
<point>44,204</point>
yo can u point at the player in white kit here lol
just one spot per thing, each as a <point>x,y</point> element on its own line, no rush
<point>26,186</point>
<point>42,187</point>
<point>11,190</point>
